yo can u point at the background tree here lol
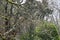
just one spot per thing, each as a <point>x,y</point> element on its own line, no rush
<point>20,18</point>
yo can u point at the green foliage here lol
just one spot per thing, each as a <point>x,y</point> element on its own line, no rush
<point>46,31</point>
<point>24,36</point>
<point>43,31</point>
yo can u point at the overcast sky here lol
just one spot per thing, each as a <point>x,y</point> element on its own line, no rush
<point>56,4</point>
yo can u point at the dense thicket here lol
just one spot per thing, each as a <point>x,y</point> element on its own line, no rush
<point>16,19</point>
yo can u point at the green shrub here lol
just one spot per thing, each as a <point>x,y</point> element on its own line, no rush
<point>43,31</point>
<point>46,31</point>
